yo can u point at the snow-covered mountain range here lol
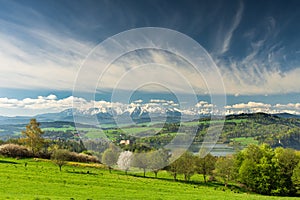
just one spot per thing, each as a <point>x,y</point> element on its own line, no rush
<point>137,114</point>
<point>102,112</point>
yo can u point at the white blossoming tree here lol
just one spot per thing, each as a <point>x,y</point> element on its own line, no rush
<point>124,160</point>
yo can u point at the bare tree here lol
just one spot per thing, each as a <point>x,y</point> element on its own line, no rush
<point>60,157</point>
<point>110,157</point>
<point>141,161</point>
<point>158,160</point>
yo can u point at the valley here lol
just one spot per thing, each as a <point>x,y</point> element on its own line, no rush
<point>238,131</point>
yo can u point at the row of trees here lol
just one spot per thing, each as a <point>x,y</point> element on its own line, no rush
<point>260,168</point>
<point>152,160</point>
<point>187,164</point>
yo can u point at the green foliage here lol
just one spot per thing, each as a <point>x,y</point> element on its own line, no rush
<point>205,165</point>
<point>185,165</point>
<point>174,168</point>
<point>224,168</point>
<point>296,177</point>
<point>268,171</point>
<point>286,162</point>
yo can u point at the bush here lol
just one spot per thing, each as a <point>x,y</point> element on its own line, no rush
<point>15,151</point>
<point>82,157</point>
<point>44,155</point>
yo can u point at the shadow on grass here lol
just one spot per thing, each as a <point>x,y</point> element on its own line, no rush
<point>212,184</point>
<point>81,172</point>
<point>8,162</point>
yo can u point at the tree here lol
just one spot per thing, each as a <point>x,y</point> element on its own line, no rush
<point>174,168</point>
<point>257,170</point>
<point>60,157</point>
<point>267,171</point>
<point>248,172</point>
<point>187,165</point>
<point>224,168</point>
<point>205,165</point>
<point>141,161</point>
<point>124,160</point>
<point>158,160</point>
<point>286,161</point>
<point>296,177</point>
<point>33,136</point>
<point>110,157</point>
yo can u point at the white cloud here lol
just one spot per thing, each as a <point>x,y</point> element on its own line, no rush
<point>51,97</point>
<point>255,78</point>
<point>229,33</point>
<point>51,60</point>
<point>254,107</point>
<point>35,55</point>
<point>250,105</point>
<point>50,103</point>
<point>204,104</point>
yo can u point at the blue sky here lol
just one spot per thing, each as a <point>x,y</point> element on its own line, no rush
<point>254,44</point>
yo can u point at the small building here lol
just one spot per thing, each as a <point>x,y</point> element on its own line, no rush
<point>125,142</point>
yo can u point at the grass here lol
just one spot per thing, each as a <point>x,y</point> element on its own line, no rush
<point>62,129</point>
<point>245,141</point>
<point>41,179</point>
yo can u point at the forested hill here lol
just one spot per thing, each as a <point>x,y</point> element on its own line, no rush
<point>239,130</point>
<point>276,130</point>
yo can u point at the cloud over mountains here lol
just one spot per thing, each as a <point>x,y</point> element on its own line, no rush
<point>50,104</point>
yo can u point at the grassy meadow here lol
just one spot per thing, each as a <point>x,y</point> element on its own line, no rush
<point>40,179</point>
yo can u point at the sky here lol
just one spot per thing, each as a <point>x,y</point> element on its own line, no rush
<point>251,50</point>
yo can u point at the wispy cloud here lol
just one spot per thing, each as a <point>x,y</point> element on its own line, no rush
<point>228,35</point>
<point>36,55</point>
<point>261,70</point>
<point>38,52</point>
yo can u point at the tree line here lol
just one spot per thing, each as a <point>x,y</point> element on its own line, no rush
<point>259,168</point>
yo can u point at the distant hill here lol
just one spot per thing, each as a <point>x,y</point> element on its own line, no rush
<point>286,115</point>
<point>274,129</point>
<point>280,129</point>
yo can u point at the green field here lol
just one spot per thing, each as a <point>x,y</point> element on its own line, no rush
<point>196,123</point>
<point>63,129</point>
<point>244,141</point>
<point>42,180</point>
